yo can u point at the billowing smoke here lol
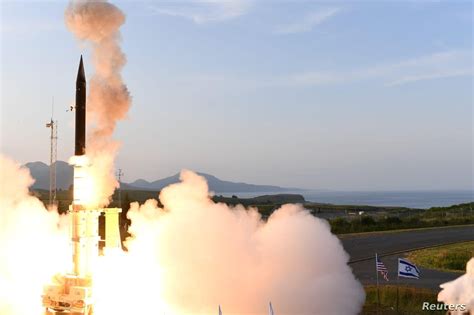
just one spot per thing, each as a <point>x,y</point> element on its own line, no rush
<point>460,291</point>
<point>33,243</point>
<point>97,23</point>
<point>185,257</point>
<point>205,254</point>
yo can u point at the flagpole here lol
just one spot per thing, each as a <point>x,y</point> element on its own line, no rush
<point>398,281</point>
<point>377,274</point>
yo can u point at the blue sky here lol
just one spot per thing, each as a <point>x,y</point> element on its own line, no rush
<point>337,95</point>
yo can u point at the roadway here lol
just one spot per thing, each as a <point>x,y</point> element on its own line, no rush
<point>361,247</point>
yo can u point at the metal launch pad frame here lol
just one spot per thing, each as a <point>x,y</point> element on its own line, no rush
<point>72,293</point>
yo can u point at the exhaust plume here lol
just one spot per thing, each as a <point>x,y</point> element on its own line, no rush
<point>97,23</point>
<point>207,253</point>
<point>34,242</point>
<point>185,257</point>
<point>460,291</point>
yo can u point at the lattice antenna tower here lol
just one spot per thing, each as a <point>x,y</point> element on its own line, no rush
<point>53,125</point>
<point>119,177</point>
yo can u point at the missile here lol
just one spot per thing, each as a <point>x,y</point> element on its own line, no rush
<point>71,292</point>
<point>84,222</point>
<point>80,143</point>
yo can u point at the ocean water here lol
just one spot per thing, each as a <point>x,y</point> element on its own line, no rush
<point>410,199</point>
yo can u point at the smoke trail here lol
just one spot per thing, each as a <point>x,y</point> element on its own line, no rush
<point>33,246</point>
<point>460,291</point>
<point>206,253</point>
<point>98,23</point>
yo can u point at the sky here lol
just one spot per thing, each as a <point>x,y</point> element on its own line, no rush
<point>323,95</point>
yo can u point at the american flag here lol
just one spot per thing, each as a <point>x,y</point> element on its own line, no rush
<point>381,268</point>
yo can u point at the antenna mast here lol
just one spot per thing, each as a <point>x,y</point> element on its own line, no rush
<point>119,177</point>
<point>53,125</point>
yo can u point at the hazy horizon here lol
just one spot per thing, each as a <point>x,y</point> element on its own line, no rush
<point>345,96</point>
<point>290,189</point>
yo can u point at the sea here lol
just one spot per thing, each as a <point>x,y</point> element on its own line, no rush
<point>409,199</point>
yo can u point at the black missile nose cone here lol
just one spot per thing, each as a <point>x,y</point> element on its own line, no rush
<point>80,142</point>
<point>81,76</point>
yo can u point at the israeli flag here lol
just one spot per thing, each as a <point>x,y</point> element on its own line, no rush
<point>407,270</point>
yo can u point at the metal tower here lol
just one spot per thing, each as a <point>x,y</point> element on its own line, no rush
<point>119,177</point>
<point>53,125</point>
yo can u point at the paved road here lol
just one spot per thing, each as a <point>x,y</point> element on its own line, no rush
<point>362,246</point>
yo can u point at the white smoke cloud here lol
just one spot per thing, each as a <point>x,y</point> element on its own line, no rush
<point>460,291</point>
<point>98,23</point>
<point>186,257</point>
<point>33,245</point>
<point>207,254</point>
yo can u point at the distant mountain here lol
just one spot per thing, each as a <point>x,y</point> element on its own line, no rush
<point>64,176</point>
<point>215,184</point>
<point>40,172</point>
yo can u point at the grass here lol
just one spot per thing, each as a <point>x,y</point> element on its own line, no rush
<point>461,214</point>
<point>446,258</point>
<point>402,230</point>
<point>410,300</point>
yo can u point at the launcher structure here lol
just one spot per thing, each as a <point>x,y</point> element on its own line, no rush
<point>72,293</point>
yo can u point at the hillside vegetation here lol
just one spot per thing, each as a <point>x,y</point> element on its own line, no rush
<point>393,220</point>
<point>452,257</point>
<point>342,218</point>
